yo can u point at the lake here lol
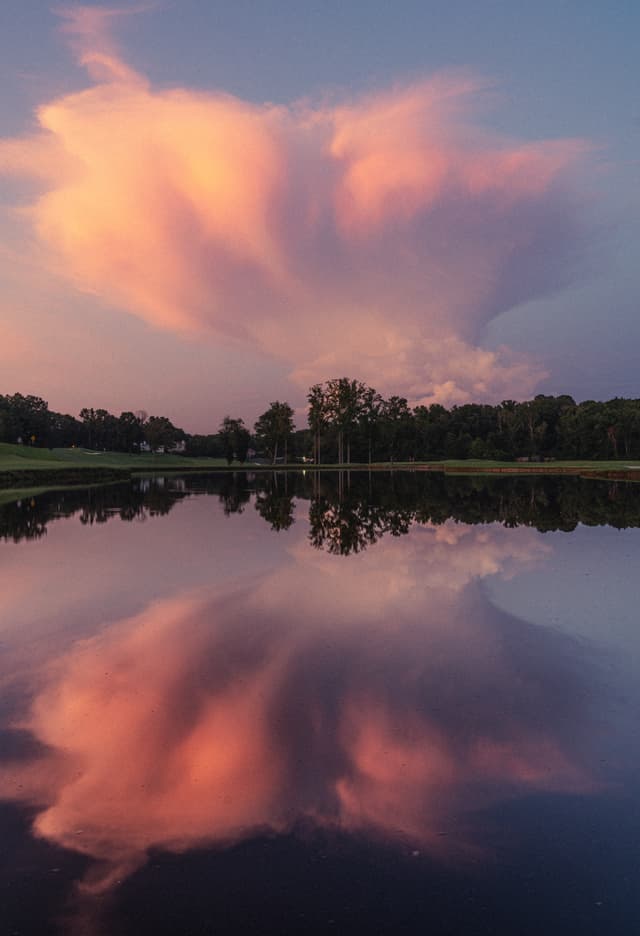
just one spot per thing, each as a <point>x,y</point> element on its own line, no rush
<point>321,703</point>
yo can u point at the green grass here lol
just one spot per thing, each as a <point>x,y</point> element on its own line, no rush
<point>27,467</point>
<point>24,466</point>
<point>22,456</point>
<point>484,464</point>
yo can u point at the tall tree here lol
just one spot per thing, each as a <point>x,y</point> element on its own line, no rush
<point>371,404</point>
<point>101,428</point>
<point>235,439</point>
<point>130,432</point>
<point>275,428</point>
<point>318,417</point>
<point>397,424</point>
<point>344,403</point>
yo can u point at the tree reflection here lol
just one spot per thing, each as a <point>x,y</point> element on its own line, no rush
<point>347,511</point>
<point>350,526</point>
<point>28,518</point>
<point>275,504</point>
<point>22,519</point>
<point>233,492</point>
<point>347,518</point>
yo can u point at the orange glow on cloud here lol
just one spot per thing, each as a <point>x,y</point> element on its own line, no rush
<point>376,237</point>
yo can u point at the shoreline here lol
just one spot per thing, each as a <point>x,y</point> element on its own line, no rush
<point>49,476</point>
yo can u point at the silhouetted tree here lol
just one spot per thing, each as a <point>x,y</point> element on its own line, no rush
<point>235,439</point>
<point>274,429</point>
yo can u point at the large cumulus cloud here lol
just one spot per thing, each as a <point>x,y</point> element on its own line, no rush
<point>375,236</point>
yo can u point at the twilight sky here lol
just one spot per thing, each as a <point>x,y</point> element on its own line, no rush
<point>206,206</point>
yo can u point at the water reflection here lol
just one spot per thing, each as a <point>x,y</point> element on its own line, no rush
<point>384,695</point>
<point>28,517</point>
<point>347,511</point>
<point>275,502</point>
<point>220,682</point>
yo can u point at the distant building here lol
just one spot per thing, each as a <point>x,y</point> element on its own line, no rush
<point>178,447</point>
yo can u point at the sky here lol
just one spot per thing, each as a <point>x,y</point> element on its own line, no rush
<point>208,206</point>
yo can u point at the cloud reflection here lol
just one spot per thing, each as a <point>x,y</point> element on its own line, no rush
<point>396,706</point>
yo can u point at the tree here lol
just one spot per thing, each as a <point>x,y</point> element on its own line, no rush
<point>397,424</point>
<point>368,416</point>
<point>274,428</point>
<point>235,439</point>
<point>26,418</point>
<point>200,446</point>
<point>344,403</point>
<point>318,420</point>
<point>159,432</point>
<point>130,432</point>
<point>431,427</point>
<point>100,428</point>
<point>64,430</point>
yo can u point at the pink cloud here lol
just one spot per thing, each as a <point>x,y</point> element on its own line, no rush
<point>89,30</point>
<point>376,237</point>
<point>14,346</point>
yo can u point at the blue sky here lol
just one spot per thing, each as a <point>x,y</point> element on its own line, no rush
<point>557,70</point>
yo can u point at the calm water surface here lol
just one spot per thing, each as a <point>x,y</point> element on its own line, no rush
<point>337,704</point>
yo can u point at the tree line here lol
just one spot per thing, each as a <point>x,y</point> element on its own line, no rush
<point>28,420</point>
<point>349,422</point>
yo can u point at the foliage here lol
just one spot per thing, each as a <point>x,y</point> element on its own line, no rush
<point>235,439</point>
<point>543,429</point>
<point>351,423</point>
<point>274,429</point>
<point>160,433</point>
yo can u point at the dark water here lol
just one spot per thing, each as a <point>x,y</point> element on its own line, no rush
<point>321,704</point>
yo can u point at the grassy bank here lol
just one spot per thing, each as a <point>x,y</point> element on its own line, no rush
<point>26,467</point>
<point>21,457</point>
<point>598,469</point>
